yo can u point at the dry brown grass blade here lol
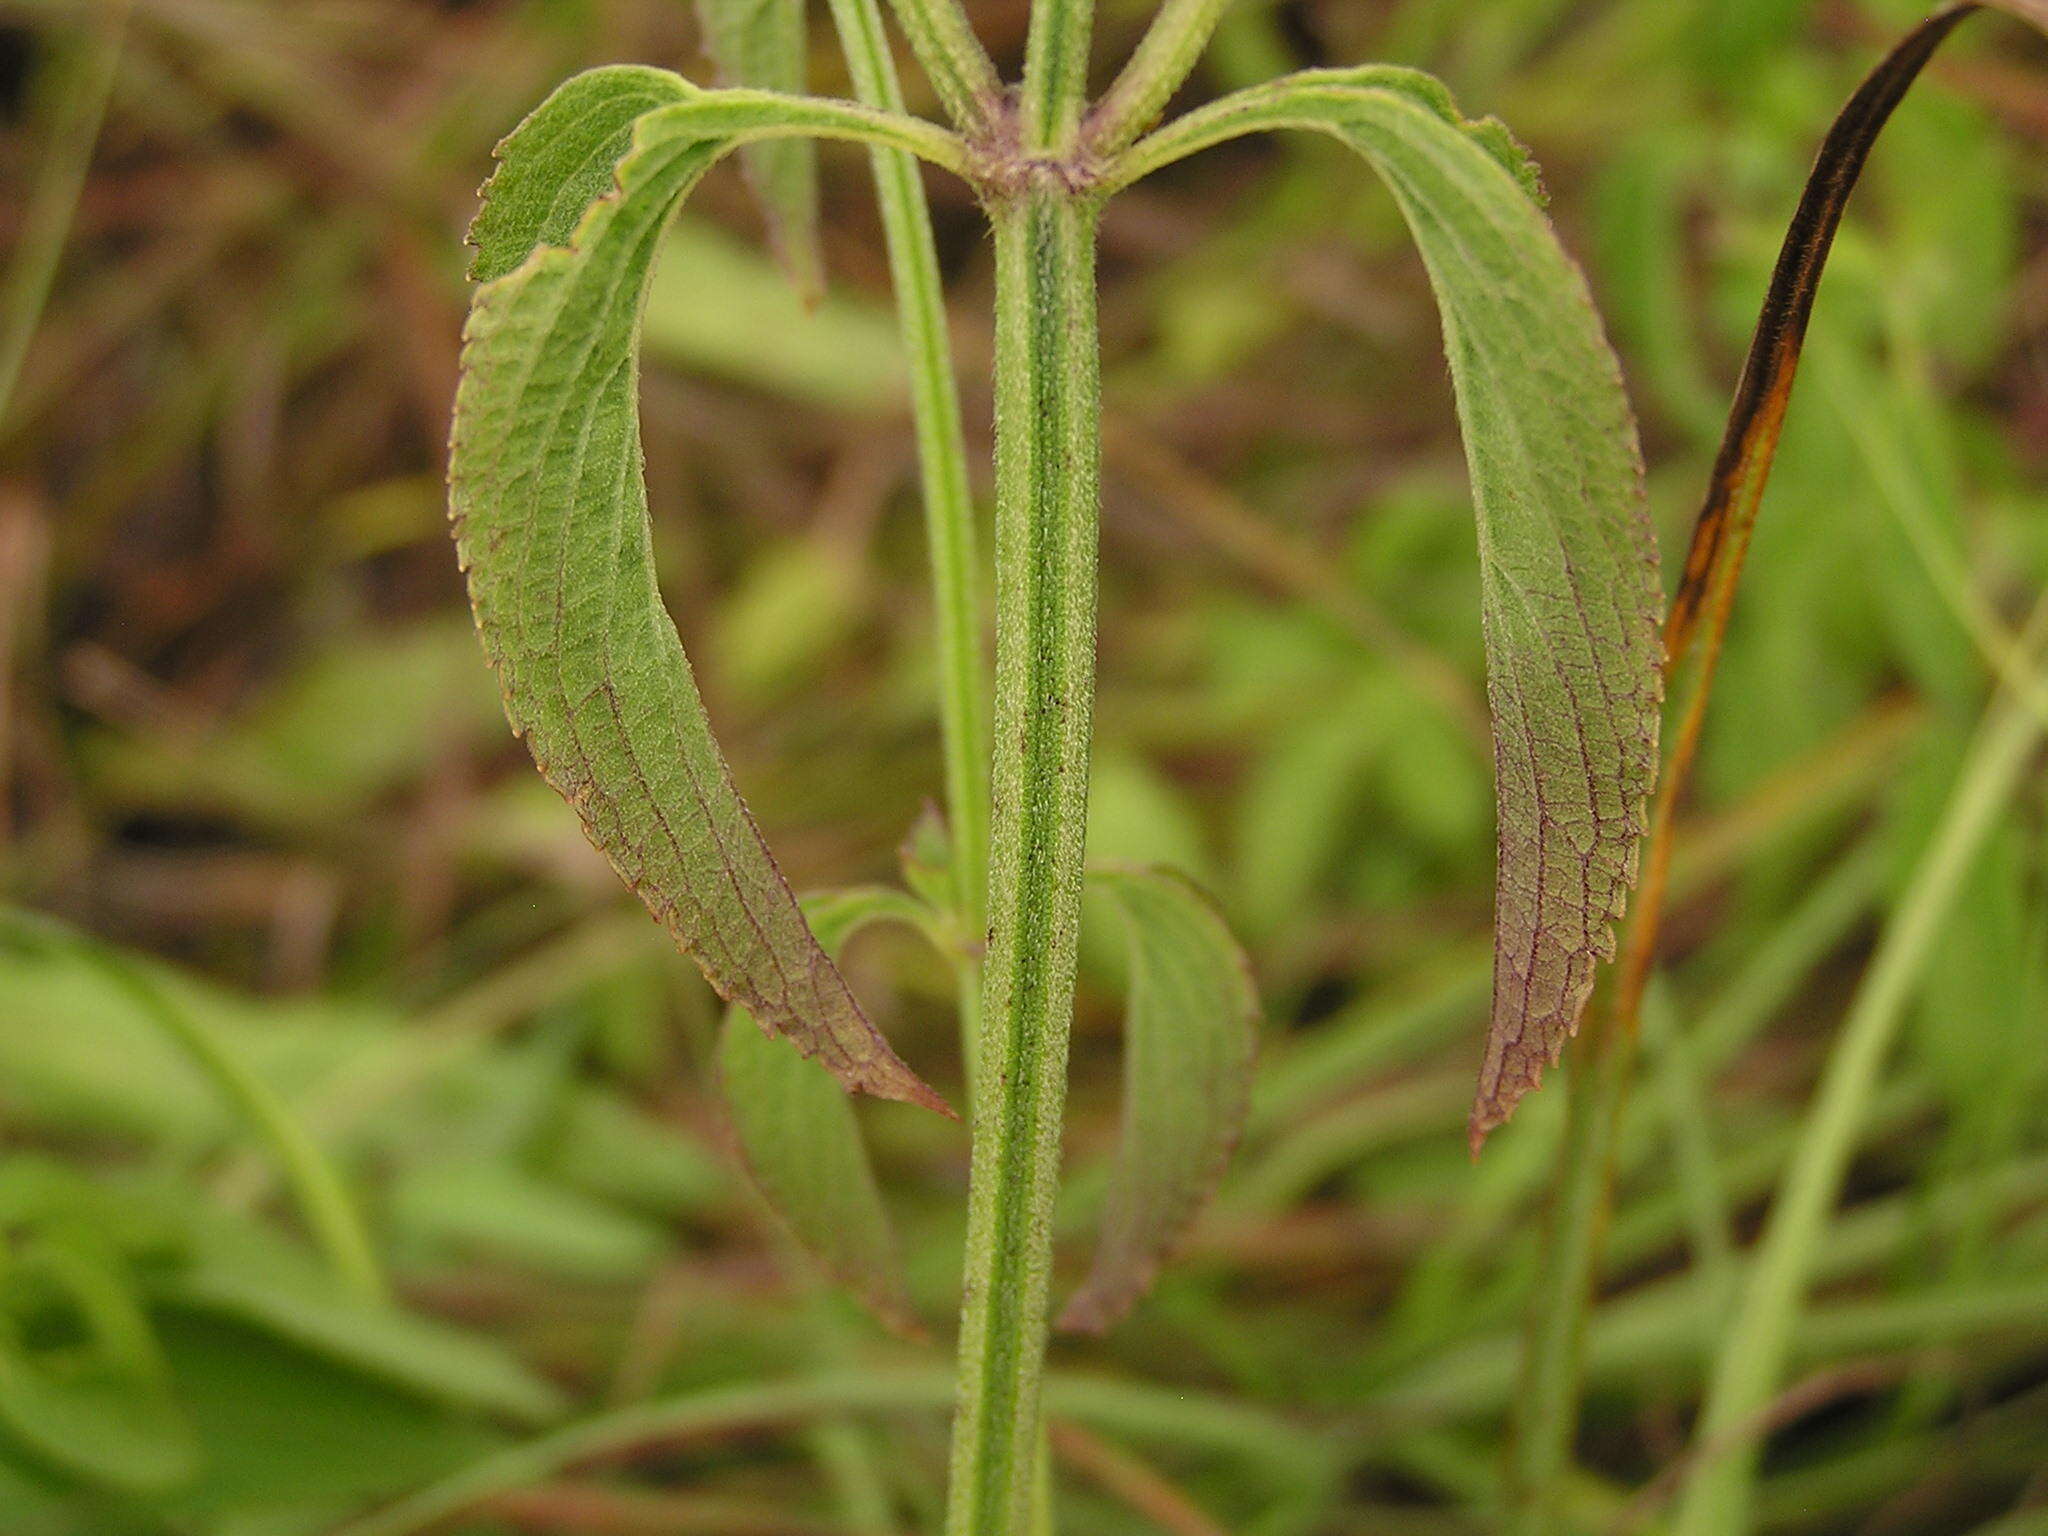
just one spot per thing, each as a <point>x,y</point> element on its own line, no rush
<point>1698,621</point>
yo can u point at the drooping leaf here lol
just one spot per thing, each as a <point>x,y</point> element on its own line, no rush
<point>799,1139</point>
<point>763,43</point>
<point>1190,1033</point>
<point>550,514</point>
<point>1570,595</point>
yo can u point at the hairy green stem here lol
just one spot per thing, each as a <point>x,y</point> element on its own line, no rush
<point>952,59</point>
<point>1047,452</point>
<point>1055,74</point>
<point>942,466</point>
<point>1160,64</point>
<point>1752,1354</point>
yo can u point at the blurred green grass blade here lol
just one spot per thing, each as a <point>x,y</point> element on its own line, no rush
<point>1696,1166</point>
<point>79,90</point>
<point>550,513</point>
<point>798,1136</point>
<point>1751,1357</point>
<point>765,44</point>
<point>717,306</point>
<point>487,1207</point>
<point>317,1185</point>
<point>2024,1522</point>
<point>1295,1462</point>
<point>1570,594</point>
<point>1869,417</point>
<point>1190,1031</point>
<point>95,1423</point>
<point>239,1275</point>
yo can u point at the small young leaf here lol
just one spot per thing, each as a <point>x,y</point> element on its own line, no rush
<point>1189,1037</point>
<point>550,515</point>
<point>762,43</point>
<point>800,1141</point>
<point>1570,594</point>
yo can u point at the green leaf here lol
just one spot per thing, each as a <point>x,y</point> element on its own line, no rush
<point>1570,596</point>
<point>763,43</point>
<point>550,514</point>
<point>800,1142</point>
<point>1189,1039</point>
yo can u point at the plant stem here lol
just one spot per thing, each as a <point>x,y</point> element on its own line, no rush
<point>1160,64</point>
<point>952,59</point>
<point>1047,452</point>
<point>1751,1357</point>
<point>1055,74</point>
<point>942,467</point>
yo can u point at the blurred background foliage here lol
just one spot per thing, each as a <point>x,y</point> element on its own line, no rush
<point>248,746</point>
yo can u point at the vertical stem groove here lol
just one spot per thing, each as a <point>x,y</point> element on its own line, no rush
<point>1047,452</point>
<point>1056,73</point>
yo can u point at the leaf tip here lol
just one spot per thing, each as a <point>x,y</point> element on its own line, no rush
<point>893,1080</point>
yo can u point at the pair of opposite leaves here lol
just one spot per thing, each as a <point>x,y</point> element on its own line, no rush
<point>551,520</point>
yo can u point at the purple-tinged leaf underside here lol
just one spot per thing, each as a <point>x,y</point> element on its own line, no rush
<point>1570,596</point>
